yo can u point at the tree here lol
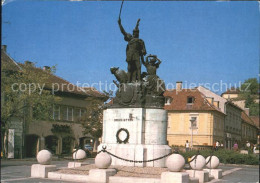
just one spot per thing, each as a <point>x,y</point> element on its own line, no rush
<point>23,95</point>
<point>249,92</point>
<point>92,121</point>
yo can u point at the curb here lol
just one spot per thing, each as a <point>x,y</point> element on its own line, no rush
<point>243,165</point>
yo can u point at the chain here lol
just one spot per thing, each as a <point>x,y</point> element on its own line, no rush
<point>133,161</point>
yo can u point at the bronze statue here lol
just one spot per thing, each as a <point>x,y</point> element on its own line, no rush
<point>152,81</point>
<point>134,51</point>
<point>151,64</point>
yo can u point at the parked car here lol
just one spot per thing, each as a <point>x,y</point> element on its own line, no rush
<point>89,149</point>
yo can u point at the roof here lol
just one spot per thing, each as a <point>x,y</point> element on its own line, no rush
<point>234,105</point>
<point>247,119</point>
<point>179,102</point>
<point>8,62</point>
<point>231,91</point>
<point>255,120</point>
<point>55,83</point>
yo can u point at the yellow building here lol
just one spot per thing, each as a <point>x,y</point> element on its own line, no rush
<point>230,94</point>
<point>193,117</point>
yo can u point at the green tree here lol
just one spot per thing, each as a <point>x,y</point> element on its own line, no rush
<point>92,120</point>
<point>249,92</point>
<point>23,95</point>
<point>250,86</point>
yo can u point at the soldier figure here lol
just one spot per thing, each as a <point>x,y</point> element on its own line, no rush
<point>134,50</point>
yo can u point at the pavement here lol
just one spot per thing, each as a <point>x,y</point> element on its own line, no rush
<point>20,170</point>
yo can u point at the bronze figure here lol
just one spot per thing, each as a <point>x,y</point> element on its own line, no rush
<point>134,51</point>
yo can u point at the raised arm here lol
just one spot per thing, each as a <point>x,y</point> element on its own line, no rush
<point>121,27</point>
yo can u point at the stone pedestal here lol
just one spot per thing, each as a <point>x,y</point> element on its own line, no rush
<point>176,177</point>
<point>76,164</point>
<point>100,175</point>
<point>41,171</point>
<point>147,135</point>
<point>202,175</point>
<point>216,173</point>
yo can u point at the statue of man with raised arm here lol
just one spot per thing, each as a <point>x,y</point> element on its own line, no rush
<point>134,51</point>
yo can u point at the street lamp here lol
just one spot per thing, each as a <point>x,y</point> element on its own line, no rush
<point>192,120</point>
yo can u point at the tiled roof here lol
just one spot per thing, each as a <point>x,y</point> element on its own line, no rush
<point>9,63</point>
<point>247,119</point>
<point>53,82</point>
<point>231,91</point>
<point>179,102</point>
<point>255,120</point>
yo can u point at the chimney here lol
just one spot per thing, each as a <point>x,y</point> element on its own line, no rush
<point>246,111</point>
<point>178,85</point>
<point>4,47</point>
<point>46,68</point>
<point>28,63</point>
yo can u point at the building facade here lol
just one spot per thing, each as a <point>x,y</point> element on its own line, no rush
<point>65,130</point>
<point>193,117</point>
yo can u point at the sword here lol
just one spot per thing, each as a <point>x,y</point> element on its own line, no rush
<point>121,8</point>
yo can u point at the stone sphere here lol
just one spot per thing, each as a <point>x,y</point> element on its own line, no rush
<point>175,162</point>
<point>198,163</point>
<point>44,157</point>
<point>103,160</point>
<point>79,154</point>
<point>214,162</point>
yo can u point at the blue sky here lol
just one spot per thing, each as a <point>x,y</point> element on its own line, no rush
<point>198,42</point>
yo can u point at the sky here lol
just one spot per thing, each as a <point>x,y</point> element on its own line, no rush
<point>199,43</point>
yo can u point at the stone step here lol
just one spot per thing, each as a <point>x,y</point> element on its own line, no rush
<point>193,180</point>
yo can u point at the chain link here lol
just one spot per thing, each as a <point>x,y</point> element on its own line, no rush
<point>133,161</point>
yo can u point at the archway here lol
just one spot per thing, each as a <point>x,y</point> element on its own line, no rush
<point>67,145</point>
<point>31,145</point>
<point>51,143</point>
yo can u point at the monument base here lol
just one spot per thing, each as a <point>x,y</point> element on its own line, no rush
<point>140,152</point>
<point>41,171</point>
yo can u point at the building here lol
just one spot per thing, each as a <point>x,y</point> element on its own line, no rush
<point>249,129</point>
<point>61,134</point>
<point>193,117</point>
<point>233,120</point>
<point>230,93</point>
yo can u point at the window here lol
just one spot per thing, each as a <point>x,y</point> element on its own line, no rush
<point>193,122</point>
<point>190,100</point>
<point>56,112</point>
<point>70,113</point>
<point>168,101</point>
<point>64,113</point>
<point>77,113</point>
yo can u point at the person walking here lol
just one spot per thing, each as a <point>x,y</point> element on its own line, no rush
<point>187,146</point>
<point>217,145</point>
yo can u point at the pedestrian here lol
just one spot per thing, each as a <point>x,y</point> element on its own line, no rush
<point>187,146</point>
<point>248,146</point>
<point>222,145</point>
<point>254,149</point>
<point>217,145</point>
<point>214,146</point>
<point>235,147</point>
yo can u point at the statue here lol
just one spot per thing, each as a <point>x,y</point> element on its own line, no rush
<point>151,65</point>
<point>134,51</point>
<point>153,83</point>
<point>120,75</point>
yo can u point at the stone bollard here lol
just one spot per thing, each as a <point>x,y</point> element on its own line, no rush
<point>212,165</point>
<point>77,155</point>
<point>102,173</point>
<point>197,171</point>
<point>41,170</point>
<point>175,164</point>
